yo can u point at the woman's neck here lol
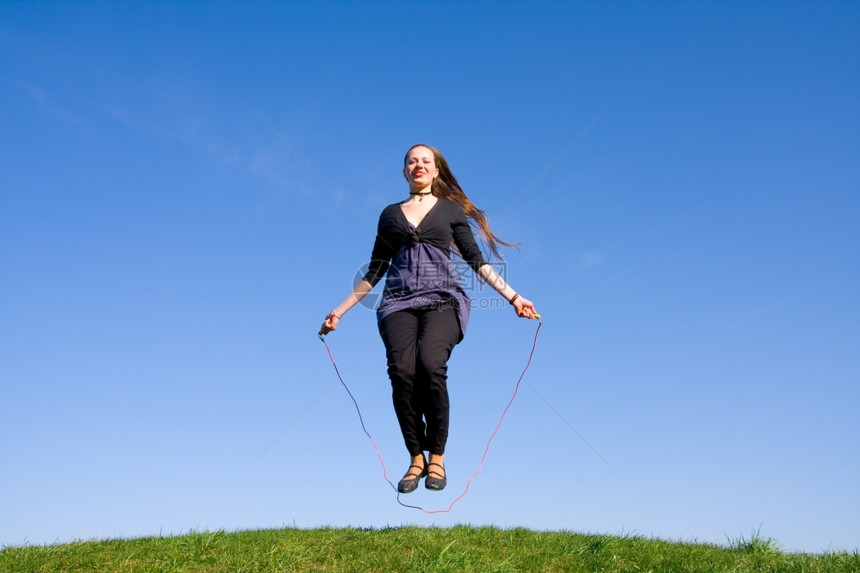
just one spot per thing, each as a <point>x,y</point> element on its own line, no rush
<point>420,193</point>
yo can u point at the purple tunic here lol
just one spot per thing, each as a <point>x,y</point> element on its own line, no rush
<point>418,263</point>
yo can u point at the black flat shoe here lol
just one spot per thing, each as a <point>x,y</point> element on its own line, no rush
<point>409,483</point>
<point>433,482</point>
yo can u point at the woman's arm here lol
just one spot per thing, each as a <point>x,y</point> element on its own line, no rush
<point>380,259</point>
<point>468,247</point>
<point>332,318</point>
<point>522,306</point>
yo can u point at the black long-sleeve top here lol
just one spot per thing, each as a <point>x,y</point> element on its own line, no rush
<point>417,260</point>
<point>446,221</point>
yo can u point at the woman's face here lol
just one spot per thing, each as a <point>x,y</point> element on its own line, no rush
<point>420,168</point>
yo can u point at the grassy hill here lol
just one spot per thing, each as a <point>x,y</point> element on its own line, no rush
<point>415,549</point>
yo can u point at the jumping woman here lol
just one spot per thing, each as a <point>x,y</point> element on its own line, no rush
<point>424,309</point>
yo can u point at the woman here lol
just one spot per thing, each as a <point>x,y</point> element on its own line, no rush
<point>424,309</point>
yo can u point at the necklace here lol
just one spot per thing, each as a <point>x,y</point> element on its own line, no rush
<point>420,195</point>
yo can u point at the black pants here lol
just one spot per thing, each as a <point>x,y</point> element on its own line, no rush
<point>418,343</point>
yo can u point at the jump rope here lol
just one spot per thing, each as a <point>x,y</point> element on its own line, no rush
<point>486,449</point>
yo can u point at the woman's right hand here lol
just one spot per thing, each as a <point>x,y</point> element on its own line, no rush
<point>329,324</point>
<point>524,308</point>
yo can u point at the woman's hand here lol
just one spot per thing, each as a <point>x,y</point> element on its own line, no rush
<point>524,308</point>
<point>329,324</point>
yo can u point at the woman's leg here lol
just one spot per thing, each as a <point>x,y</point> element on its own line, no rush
<point>400,331</point>
<point>439,332</point>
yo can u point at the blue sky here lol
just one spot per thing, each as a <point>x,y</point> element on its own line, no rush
<point>682,180</point>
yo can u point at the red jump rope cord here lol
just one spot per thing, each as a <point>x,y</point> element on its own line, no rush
<point>486,449</point>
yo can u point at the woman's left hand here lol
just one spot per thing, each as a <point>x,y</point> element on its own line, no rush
<point>329,324</point>
<point>525,308</point>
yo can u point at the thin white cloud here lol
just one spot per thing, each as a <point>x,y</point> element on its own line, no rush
<point>47,105</point>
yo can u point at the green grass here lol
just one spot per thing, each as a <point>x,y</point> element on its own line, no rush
<point>416,549</point>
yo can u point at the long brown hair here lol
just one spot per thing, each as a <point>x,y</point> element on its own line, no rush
<point>446,186</point>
